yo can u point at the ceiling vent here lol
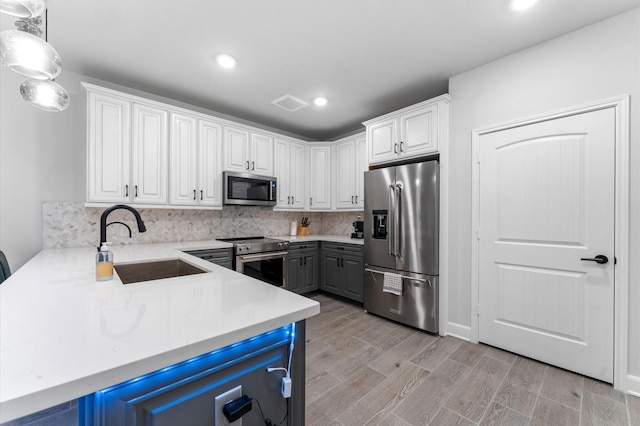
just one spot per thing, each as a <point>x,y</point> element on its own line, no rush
<point>289,102</point>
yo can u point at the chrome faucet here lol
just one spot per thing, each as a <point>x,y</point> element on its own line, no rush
<point>103,221</point>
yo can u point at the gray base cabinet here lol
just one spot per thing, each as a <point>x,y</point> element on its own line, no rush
<point>302,267</point>
<point>342,270</point>
<point>184,394</point>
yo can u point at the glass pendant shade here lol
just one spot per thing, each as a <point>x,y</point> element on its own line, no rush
<point>45,95</point>
<point>29,55</point>
<point>23,8</point>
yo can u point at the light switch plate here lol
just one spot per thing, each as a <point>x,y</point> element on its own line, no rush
<point>219,418</point>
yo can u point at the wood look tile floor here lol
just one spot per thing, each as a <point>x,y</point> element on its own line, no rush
<point>365,370</point>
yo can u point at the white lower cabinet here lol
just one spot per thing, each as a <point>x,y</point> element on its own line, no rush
<point>320,177</point>
<point>350,165</point>
<point>290,165</point>
<point>195,161</point>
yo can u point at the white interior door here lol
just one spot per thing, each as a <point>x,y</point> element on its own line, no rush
<point>546,201</point>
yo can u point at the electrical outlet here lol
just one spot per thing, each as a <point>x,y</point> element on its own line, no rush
<point>220,400</point>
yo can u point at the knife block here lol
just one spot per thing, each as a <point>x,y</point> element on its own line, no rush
<point>303,231</point>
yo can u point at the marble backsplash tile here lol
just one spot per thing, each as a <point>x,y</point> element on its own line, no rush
<point>70,224</point>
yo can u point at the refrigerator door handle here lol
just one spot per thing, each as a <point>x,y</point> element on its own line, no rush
<point>398,217</point>
<point>391,220</point>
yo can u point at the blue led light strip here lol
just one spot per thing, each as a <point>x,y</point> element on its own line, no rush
<point>289,328</point>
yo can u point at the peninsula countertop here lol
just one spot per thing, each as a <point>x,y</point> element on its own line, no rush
<point>63,335</point>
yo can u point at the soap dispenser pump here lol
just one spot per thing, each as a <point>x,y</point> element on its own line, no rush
<point>104,263</point>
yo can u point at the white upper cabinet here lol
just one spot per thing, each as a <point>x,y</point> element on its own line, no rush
<point>320,177</point>
<point>290,166</point>
<point>196,150</point>
<point>210,163</point>
<point>184,158</point>
<point>246,151</point>
<point>345,175</point>
<point>361,167</point>
<point>236,149</point>
<point>127,149</point>
<point>282,164</point>
<point>261,154</point>
<point>108,148</point>
<point>411,132</point>
<point>350,164</point>
<point>149,154</point>
<point>297,175</point>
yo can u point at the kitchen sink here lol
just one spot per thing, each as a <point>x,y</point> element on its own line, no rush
<point>155,270</point>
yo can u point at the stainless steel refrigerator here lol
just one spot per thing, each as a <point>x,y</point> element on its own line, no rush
<point>401,223</point>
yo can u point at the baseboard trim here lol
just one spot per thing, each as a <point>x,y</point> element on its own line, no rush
<point>458,330</point>
<point>633,385</point>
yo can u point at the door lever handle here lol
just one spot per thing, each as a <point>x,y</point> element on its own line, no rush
<point>601,259</point>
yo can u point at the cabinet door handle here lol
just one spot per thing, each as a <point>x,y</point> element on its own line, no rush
<point>126,190</point>
<point>300,262</point>
<point>247,165</point>
<point>395,148</point>
<point>401,146</point>
<point>288,199</point>
<point>356,199</point>
<point>194,194</point>
<point>292,200</point>
<point>253,165</point>
<point>136,191</point>
<point>310,201</point>
<point>201,194</point>
<point>352,199</point>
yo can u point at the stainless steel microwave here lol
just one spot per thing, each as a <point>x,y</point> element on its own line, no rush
<point>246,189</point>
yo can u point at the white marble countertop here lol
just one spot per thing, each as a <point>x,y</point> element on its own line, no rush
<point>63,335</point>
<point>332,238</point>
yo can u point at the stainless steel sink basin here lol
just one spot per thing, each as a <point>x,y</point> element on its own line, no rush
<point>156,270</point>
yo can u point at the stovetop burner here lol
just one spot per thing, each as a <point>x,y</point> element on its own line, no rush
<point>248,245</point>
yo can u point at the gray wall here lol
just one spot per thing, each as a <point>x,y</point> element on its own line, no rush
<point>594,63</point>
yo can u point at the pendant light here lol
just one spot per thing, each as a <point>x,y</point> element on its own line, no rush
<point>46,95</point>
<point>23,8</point>
<point>25,52</point>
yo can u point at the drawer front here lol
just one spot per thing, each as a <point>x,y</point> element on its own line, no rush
<point>313,245</point>
<point>345,248</point>
<point>222,257</point>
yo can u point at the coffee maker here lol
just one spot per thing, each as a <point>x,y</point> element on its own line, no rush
<point>358,228</point>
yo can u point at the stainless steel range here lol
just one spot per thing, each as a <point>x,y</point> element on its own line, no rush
<point>261,258</point>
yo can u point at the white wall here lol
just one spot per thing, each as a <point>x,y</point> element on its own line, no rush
<point>593,63</point>
<point>42,157</point>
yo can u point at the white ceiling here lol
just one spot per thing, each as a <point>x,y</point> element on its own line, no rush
<point>368,57</point>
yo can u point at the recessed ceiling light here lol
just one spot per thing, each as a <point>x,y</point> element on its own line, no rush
<point>226,61</point>
<point>320,101</point>
<point>522,4</point>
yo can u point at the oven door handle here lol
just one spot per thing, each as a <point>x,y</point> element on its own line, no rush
<point>262,256</point>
